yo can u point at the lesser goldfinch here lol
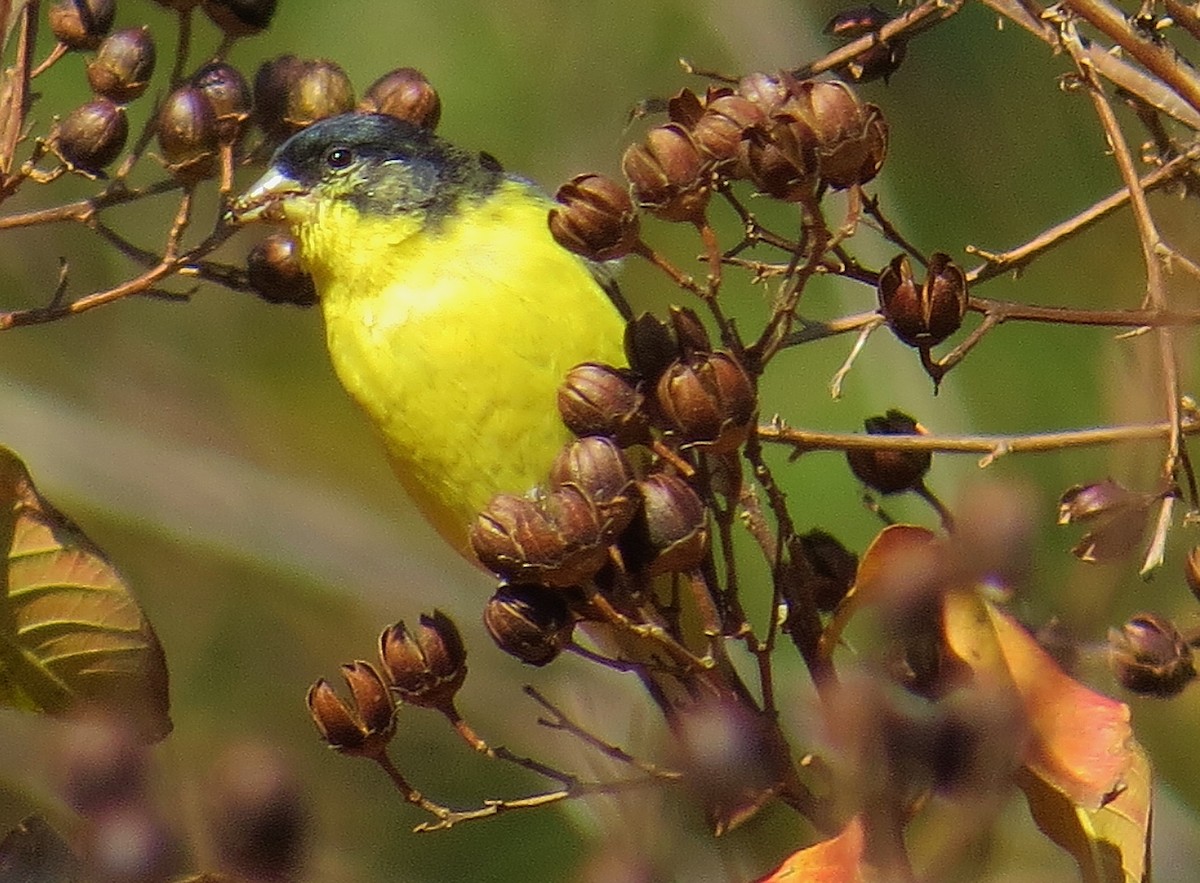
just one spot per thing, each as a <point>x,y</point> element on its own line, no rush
<point>451,317</point>
<point>451,314</point>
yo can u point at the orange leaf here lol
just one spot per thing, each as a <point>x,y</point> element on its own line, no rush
<point>899,558</point>
<point>838,860</point>
<point>1080,740</point>
<point>1110,844</point>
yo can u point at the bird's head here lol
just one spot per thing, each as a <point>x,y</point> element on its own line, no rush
<point>372,164</point>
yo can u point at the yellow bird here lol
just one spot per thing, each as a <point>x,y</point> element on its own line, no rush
<point>451,314</point>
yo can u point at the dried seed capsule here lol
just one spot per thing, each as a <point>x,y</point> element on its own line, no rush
<point>851,137</point>
<point>427,668</point>
<point>406,94</point>
<point>597,399</point>
<point>556,540</point>
<point>882,59</point>
<point>99,762</point>
<point>238,18</point>
<point>93,135</point>
<point>1150,657</point>
<point>187,134</point>
<point>81,24</point>
<point>767,91</point>
<point>923,316</point>
<point>670,533</point>
<point>594,218</point>
<point>832,568</point>
<point>597,468</point>
<point>890,472</point>
<point>363,726</point>
<point>708,401</point>
<point>668,175</point>
<point>1085,502</point>
<point>720,130</point>
<point>229,94</point>
<point>532,623</point>
<point>291,93</point>
<point>1121,517</point>
<point>690,333</point>
<point>123,65</point>
<point>257,814</point>
<point>276,275</point>
<point>781,160</point>
<point>650,346</point>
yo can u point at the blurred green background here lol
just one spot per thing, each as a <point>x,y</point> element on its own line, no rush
<point>209,450</point>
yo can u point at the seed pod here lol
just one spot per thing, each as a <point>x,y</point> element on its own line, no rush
<point>406,94</point>
<point>668,175</point>
<point>594,218</point>
<point>291,93</point>
<point>1150,657</point>
<point>690,333</point>
<point>684,108</point>
<point>890,472</point>
<point>532,623</point>
<point>276,275</point>
<point>1086,502</point>
<point>670,533</point>
<point>767,91</point>
<point>363,726</point>
<point>708,401</point>
<point>597,468</point>
<point>851,137</point>
<point>781,160</point>
<point>719,132</point>
<point>428,668</point>
<point>1120,515</point>
<point>123,65</point>
<point>229,94</point>
<point>81,24</point>
<point>597,399</point>
<point>238,18</point>
<point>650,346</point>
<point>99,762</point>
<point>555,541</point>
<point>923,316</point>
<point>832,568</point>
<point>882,59</point>
<point>187,134</point>
<point>258,817</point>
<point>92,135</point>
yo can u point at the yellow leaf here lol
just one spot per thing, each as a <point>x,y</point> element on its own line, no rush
<point>71,630</point>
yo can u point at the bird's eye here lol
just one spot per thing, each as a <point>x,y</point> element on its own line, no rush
<point>339,157</point>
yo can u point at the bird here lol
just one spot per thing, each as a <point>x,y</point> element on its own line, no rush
<point>451,314</point>
<point>451,317</point>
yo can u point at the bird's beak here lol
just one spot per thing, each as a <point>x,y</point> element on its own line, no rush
<point>264,200</point>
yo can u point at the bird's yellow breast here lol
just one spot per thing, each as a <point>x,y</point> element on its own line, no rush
<point>454,341</point>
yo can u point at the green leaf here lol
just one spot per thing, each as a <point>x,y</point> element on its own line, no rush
<point>70,629</point>
<point>1110,844</point>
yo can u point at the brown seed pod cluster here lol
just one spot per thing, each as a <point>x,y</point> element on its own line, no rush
<point>609,503</point>
<point>788,137</point>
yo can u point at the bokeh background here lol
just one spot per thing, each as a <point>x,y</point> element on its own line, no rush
<point>208,449</point>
